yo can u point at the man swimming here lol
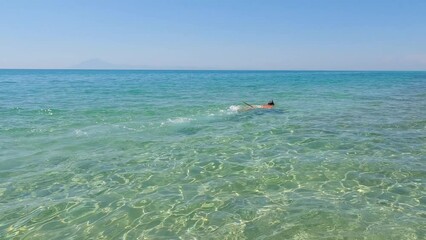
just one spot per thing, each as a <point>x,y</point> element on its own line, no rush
<point>269,105</point>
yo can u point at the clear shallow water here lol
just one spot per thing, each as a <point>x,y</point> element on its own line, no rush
<point>165,155</point>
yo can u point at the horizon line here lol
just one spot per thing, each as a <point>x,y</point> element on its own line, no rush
<point>257,70</point>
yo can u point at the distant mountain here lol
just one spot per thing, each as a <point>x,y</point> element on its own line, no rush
<point>101,64</point>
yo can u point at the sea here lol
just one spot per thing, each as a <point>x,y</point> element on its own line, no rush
<point>118,154</point>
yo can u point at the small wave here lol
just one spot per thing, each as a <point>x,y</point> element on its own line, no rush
<point>178,120</point>
<point>79,132</point>
<point>230,110</point>
<point>47,111</point>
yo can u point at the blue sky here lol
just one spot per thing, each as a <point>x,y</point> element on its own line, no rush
<point>216,34</point>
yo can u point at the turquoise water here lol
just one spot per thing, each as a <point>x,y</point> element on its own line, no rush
<point>168,155</point>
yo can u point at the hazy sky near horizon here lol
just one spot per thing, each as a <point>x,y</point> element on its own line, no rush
<point>215,34</point>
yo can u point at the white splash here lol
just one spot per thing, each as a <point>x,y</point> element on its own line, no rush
<point>178,120</point>
<point>232,109</point>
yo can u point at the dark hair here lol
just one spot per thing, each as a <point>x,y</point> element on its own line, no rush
<point>271,102</point>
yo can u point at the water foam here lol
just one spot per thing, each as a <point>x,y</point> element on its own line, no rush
<point>232,109</point>
<point>178,120</point>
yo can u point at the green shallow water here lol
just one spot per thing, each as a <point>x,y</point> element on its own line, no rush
<point>166,155</point>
